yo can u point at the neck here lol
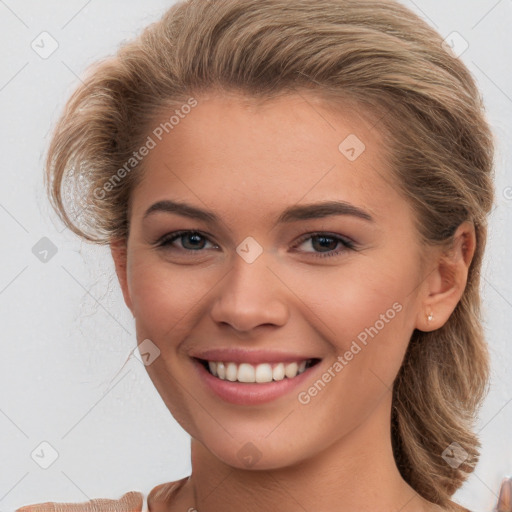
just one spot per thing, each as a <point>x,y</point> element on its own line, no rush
<point>356,473</point>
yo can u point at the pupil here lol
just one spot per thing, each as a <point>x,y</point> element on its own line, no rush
<point>325,244</point>
<point>195,237</point>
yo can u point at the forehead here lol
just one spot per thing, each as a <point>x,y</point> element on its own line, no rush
<point>230,152</point>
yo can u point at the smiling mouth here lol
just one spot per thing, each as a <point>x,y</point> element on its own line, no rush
<point>256,373</point>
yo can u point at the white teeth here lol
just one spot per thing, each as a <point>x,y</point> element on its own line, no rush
<point>221,370</point>
<point>246,373</point>
<point>290,370</point>
<point>278,372</point>
<point>264,372</point>
<point>231,372</point>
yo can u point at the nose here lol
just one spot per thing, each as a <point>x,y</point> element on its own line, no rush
<point>250,295</point>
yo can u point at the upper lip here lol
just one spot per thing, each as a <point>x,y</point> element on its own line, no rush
<point>237,355</point>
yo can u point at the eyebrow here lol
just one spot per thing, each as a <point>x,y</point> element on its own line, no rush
<point>291,214</point>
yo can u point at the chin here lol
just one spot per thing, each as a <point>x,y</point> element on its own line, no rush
<point>259,451</point>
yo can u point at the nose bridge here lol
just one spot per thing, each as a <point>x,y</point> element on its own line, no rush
<point>250,294</point>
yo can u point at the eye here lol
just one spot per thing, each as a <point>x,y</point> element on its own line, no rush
<point>326,243</point>
<point>192,241</point>
<point>323,244</point>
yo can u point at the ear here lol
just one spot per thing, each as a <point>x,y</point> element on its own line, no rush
<point>445,284</point>
<point>118,249</point>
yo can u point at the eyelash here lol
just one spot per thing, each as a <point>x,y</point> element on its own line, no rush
<point>167,240</point>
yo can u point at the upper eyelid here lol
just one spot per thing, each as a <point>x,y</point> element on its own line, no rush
<point>345,240</point>
<point>312,234</point>
<point>166,239</point>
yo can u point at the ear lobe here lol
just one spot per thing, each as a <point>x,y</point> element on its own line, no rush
<point>446,284</point>
<point>119,251</point>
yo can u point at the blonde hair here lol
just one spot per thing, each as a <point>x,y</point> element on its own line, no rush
<point>375,53</point>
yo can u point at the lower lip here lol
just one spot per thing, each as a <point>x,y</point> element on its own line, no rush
<point>242,393</point>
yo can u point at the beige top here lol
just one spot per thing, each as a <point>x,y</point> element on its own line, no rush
<point>133,501</point>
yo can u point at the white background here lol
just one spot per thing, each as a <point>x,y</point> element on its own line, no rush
<point>65,329</point>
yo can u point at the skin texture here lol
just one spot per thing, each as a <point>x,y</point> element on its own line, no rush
<point>129,502</point>
<point>247,162</point>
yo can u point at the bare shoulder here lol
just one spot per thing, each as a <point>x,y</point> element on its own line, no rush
<point>129,502</point>
<point>162,496</point>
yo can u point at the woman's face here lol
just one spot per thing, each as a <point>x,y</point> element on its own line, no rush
<point>275,279</point>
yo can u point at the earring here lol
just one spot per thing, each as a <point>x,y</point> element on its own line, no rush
<point>430,317</point>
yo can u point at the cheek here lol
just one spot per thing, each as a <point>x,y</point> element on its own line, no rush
<point>365,316</point>
<point>350,300</point>
<point>165,297</point>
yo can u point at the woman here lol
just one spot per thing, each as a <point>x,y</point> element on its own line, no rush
<point>295,195</point>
